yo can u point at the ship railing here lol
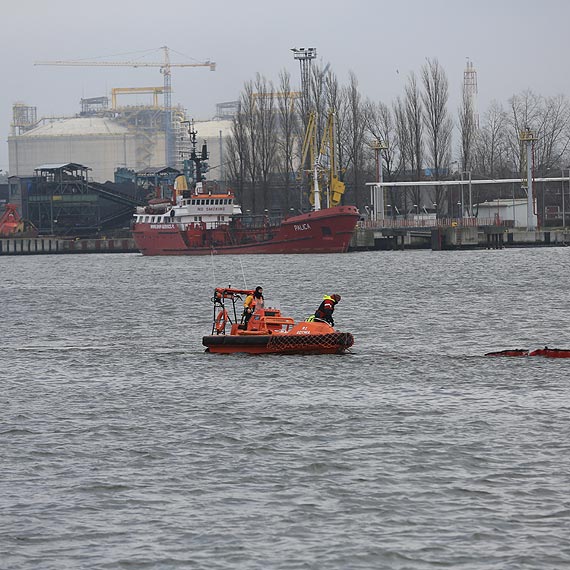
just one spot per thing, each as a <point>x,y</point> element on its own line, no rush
<point>257,222</point>
<point>245,222</point>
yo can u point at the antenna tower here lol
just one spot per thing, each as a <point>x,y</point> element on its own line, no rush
<point>470,86</point>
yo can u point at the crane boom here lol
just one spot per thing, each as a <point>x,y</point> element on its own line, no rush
<point>78,63</point>
<point>164,66</point>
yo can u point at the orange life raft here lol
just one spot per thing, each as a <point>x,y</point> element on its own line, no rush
<point>268,331</point>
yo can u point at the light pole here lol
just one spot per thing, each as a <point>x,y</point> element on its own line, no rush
<point>468,173</point>
<point>377,198</point>
<point>563,202</point>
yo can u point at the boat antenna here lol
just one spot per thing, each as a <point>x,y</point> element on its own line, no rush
<point>243,273</point>
<point>213,268</point>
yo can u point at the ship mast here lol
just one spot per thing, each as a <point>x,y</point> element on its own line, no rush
<point>196,166</point>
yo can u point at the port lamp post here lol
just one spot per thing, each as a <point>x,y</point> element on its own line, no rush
<point>563,197</point>
<point>377,192</point>
<point>527,138</point>
<point>466,175</point>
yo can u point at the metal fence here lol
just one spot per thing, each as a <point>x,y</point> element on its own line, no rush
<point>428,222</point>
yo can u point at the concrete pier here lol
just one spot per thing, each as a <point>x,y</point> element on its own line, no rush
<point>454,238</point>
<point>55,245</point>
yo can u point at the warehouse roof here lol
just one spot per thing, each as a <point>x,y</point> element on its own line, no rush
<point>153,170</point>
<point>63,165</point>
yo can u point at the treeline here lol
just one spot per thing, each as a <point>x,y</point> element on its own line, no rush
<point>421,139</point>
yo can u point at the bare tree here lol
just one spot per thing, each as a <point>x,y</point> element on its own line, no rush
<point>238,155</point>
<point>553,141</point>
<point>436,118</point>
<point>319,102</point>
<point>252,149</point>
<point>355,139</point>
<point>265,125</point>
<point>492,156</point>
<point>525,110</point>
<point>405,145</point>
<point>467,129</point>
<point>288,128</point>
<point>381,126</point>
<point>402,134</point>
<point>247,110</point>
<point>414,119</point>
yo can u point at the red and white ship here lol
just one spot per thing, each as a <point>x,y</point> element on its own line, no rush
<point>206,223</point>
<point>201,222</point>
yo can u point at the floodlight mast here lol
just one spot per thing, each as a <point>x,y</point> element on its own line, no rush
<point>305,57</point>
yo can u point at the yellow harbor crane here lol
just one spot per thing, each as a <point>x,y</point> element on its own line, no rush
<point>165,68</point>
<point>335,188</point>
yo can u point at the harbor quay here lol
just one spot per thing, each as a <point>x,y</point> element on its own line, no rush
<point>60,245</point>
<point>452,234</point>
<point>365,238</point>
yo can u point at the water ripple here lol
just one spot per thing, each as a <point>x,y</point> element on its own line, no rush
<point>125,446</point>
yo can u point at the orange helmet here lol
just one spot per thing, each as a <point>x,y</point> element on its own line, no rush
<point>336,297</point>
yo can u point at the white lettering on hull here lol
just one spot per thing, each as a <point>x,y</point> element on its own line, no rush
<point>301,227</point>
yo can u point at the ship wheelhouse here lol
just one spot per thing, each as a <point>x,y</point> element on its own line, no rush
<point>208,210</point>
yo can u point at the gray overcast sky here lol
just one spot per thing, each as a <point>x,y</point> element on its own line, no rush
<point>513,44</point>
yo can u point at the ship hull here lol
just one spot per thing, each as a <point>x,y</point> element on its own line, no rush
<point>333,343</point>
<point>324,231</point>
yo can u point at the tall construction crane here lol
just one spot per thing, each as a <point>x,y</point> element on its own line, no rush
<point>165,68</point>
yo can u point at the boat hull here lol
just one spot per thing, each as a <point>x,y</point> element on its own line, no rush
<point>333,343</point>
<point>551,352</point>
<point>544,352</point>
<point>324,231</point>
<point>513,352</point>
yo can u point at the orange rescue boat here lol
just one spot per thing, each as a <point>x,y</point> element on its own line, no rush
<point>268,331</point>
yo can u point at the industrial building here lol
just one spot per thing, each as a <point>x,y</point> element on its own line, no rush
<point>83,175</point>
<point>59,199</point>
<point>107,137</point>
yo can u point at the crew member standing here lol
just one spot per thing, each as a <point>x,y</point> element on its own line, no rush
<point>326,309</point>
<point>251,303</point>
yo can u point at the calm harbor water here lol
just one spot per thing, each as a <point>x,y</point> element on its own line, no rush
<point>124,445</point>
